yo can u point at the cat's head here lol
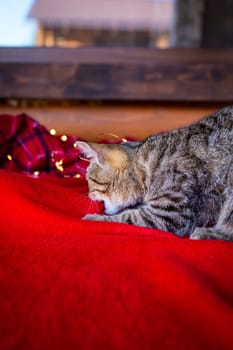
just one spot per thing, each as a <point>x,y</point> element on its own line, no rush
<point>109,175</point>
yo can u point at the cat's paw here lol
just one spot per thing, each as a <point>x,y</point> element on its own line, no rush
<point>94,217</point>
<point>197,234</point>
<point>211,233</point>
<point>203,233</point>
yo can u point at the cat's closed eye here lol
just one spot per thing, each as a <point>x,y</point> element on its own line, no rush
<point>97,186</point>
<point>98,182</point>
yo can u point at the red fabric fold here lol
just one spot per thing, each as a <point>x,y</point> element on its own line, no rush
<point>66,283</point>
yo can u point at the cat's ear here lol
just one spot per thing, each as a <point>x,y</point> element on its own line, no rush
<point>112,155</point>
<point>91,151</point>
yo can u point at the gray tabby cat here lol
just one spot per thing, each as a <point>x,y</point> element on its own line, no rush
<point>180,181</point>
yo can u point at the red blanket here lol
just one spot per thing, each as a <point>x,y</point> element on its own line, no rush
<point>70,284</point>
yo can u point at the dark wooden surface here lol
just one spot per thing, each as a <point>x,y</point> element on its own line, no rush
<point>117,74</point>
<point>217,28</point>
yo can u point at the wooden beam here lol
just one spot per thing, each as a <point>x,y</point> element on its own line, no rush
<point>93,122</point>
<point>135,74</point>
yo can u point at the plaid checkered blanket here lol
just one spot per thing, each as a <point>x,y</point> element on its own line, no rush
<point>28,147</point>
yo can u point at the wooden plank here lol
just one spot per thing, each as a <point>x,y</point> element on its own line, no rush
<point>92,122</point>
<point>93,55</point>
<point>117,74</point>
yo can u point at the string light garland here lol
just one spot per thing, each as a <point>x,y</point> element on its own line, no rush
<point>109,134</point>
<point>58,161</point>
<point>52,132</point>
<point>64,138</point>
<point>59,165</point>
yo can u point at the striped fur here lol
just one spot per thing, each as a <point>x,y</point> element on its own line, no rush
<point>180,181</point>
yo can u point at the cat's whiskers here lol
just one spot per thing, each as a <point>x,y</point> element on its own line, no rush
<point>92,205</point>
<point>85,159</point>
<point>85,194</point>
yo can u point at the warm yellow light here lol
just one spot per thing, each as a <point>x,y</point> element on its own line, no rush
<point>52,132</point>
<point>64,138</point>
<point>9,157</point>
<point>77,176</point>
<point>36,173</point>
<point>59,166</point>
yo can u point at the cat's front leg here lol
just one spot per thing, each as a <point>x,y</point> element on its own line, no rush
<point>128,217</point>
<point>142,216</point>
<point>109,218</point>
<point>147,216</point>
<point>96,217</point>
